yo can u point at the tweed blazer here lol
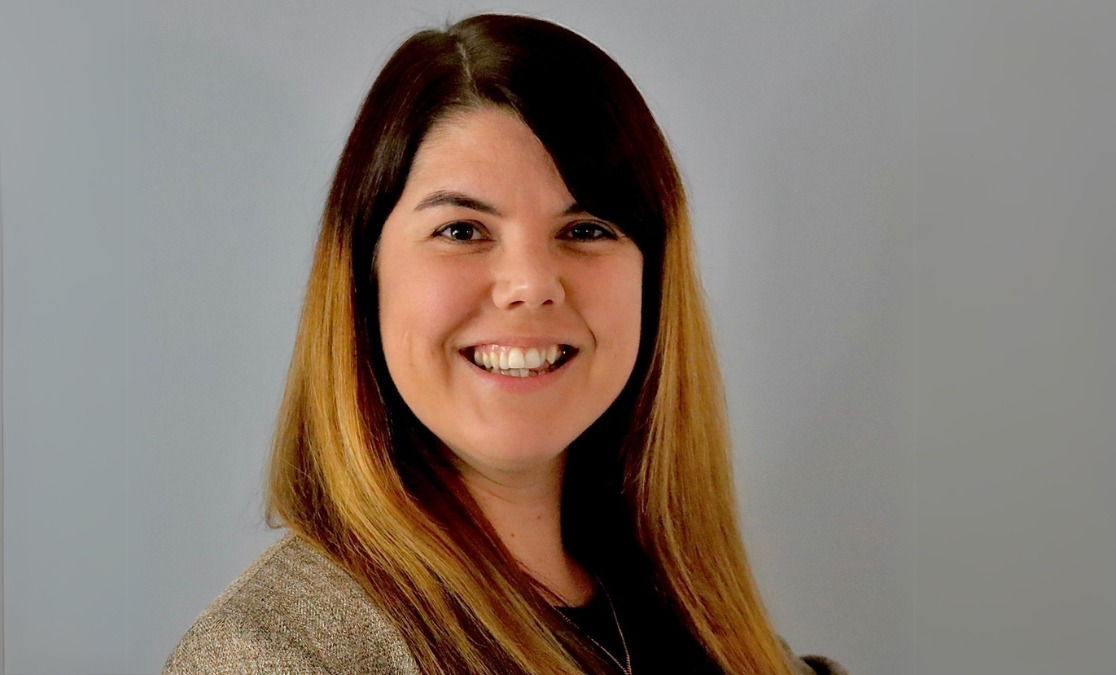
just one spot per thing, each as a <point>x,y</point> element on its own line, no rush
<point>294,611</point>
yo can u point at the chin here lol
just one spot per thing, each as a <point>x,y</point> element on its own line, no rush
<point>511,452</point>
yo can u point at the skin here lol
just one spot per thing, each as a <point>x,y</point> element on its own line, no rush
<point>520,264</point>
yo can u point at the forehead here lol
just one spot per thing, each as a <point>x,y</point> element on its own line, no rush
<point>483,147</point>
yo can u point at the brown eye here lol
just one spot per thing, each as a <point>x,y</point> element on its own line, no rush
<point>589,232</point>
<point>459,231</point>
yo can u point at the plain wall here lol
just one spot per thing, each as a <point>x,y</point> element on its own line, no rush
<point>905,220</point>
<point>1015,323</point>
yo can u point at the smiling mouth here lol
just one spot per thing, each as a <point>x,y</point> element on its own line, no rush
<point>517,361</point>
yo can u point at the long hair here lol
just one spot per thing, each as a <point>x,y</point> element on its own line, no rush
<point>647,487</point>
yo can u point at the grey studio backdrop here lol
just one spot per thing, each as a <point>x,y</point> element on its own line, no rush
<point>162,171</point>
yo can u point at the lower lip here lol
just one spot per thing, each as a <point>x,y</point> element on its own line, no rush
<point>519,384</point>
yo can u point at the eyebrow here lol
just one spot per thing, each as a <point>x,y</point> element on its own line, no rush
<point>450,198</point>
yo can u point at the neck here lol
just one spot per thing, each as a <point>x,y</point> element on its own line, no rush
<point>525,510</point>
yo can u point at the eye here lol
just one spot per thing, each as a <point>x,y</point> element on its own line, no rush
<point>460,231</point>
<point>589,231</point>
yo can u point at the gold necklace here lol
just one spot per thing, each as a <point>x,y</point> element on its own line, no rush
<point>625,667</point>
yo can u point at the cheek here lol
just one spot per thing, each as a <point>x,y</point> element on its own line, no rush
<point>420,306</point>
<point>630,306</point>
<point>615,296</point>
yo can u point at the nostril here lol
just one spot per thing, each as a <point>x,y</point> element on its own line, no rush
<point>533,287</point>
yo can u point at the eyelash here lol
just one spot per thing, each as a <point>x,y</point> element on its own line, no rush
<point>444,231</point>
<point>601,231</point>
<point>604,231</point>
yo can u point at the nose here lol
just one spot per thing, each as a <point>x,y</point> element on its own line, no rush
<point>527,275</point>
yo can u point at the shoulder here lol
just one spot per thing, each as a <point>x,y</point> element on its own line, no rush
<point>811,665</point>
<point>293,610</point>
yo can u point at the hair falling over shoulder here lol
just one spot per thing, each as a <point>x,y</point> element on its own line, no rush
<point>353,472</point>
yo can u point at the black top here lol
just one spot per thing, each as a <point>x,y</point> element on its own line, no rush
<point>657,641</point>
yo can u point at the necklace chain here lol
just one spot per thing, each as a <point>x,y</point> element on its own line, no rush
<point>625,667</point>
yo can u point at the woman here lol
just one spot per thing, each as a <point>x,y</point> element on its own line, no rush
<point>502,447</point>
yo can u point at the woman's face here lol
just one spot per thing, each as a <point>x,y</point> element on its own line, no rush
<point>487,259</point>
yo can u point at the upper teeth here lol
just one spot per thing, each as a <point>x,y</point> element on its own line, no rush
<point>506,358</point>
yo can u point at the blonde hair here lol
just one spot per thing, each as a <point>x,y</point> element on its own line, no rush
<point>354,473</point>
